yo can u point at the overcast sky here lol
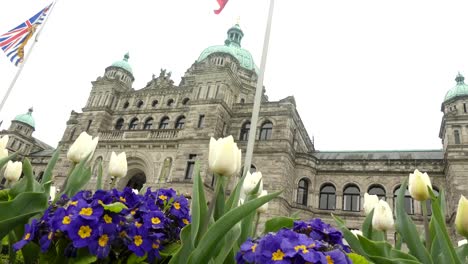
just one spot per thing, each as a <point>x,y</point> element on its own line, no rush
<point>366,74</point>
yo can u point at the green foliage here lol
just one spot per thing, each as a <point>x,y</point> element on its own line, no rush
<point>375,249</point>
<point>276,223</point>
<point>215,234</point>
<point>116,207</point>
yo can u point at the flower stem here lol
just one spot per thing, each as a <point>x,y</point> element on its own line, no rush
<point>219,184</point>
<point>256,225</point>
<point>426,224</point>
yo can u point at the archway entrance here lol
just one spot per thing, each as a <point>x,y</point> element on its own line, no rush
<point>137,181</point>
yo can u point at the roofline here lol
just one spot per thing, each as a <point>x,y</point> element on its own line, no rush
<point>379,151</point>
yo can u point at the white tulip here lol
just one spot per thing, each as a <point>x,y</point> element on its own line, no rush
<point>461,219</point>
<point>52,192</point>
<point>82,147</point>
<point>417,185</point>
<point>356,232</point>
<point>383,216</point>
<point>251,181</point>
<point>3,153</point>
<point>264,207</point>
<point>224,156</point>
<point>118,165</point>
<point>370,201</point>
<point>462,242</point>
<point>4,141</point>
<point>13,171</point>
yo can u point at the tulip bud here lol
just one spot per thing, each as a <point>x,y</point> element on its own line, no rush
<point>462,242</point>
<point>224,156</point>
<point>417,185</point>
<point>461,220</point>
<point>264,207</point>
<point>356,232</point>
<point>118,165</point>
<point>82,147</point>
<point>370,201</point>
<point>251,181</point>
<point>52,192</point>
<point>3,153</point>
<point>13,171</point>
<point>383,216</point>
<point>4,141</point>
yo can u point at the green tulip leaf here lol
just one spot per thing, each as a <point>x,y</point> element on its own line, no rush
<point>407,229</point>
<point>6,159</point>
<point>116,207</point>
<point>203,253</point>
<point>229,240</point>
<point>220,198</point>
<point>199,208</point>
<point>47,176</point>
<point>352,240</point>
<point>170,249</point>
<point>462,252</point>
<point>375,248</point>
<point>276,223</point>
<point>357,259</point>
<point>181,256</point>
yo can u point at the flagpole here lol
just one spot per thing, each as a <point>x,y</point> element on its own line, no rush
<point>258,94</point>
<point>20,69</point>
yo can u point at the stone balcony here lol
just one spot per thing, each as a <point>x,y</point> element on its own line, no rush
<point>160,134</point>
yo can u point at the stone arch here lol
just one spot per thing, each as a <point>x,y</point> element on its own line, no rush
<point>137,164</point>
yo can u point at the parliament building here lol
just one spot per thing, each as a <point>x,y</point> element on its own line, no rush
<point>164,128</point>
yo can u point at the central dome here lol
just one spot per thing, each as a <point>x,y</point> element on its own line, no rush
<point>26,118</point>
<point>461,89</point>
<point>232,46</point>
<point>123,64</point>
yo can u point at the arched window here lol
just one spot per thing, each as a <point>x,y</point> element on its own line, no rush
<point>119,124</point>
<point>164,123</point>
<point>242,100</point>
<point>456,135</point>
<point>265,131</point>
<point>148,123</point>
<point>185,101</point>
<point>180,122</point>
<point>409,203</point>
<point>139,104</point>
<point>137,181</point>
<point>244,133</point>
<point>126,104</point>
<point>377,190</point>
<point>170,102</point>
<point>302,191</point>
<point>351,201</point>
<point>133,124</point>
<point>327,197</point>
<point>154,103</point>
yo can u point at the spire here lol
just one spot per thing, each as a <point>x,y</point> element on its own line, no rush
<point>460,79</point>
<point>126,56</point>
<point>30,110</point>
<point>234,36</point>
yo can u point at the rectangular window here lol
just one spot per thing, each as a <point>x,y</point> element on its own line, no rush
<point>89,125</point>
<point>201,121</point>
<point>208,92</point>
<point>190,166</point>
<point>464,107</point>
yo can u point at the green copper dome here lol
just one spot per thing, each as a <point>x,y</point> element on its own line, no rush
<point>124,63</point>
<point>232,46</point>
<point>459,90</point>
<point>26,118</point>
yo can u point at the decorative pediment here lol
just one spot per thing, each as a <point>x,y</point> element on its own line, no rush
<point>161,82</point>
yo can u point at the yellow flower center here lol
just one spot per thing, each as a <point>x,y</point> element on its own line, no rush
<point>84,232</point>
<point>137,224</point>
<point>163,197</point>
<point>155,220</point>
<point>133,212</point>
<point>86,211</point>
<point>329,260</point>
<point>312,245</point>
<point>27,236</point>
<point>301,247</point>
<point>66,220</point>
<point>137,240</point>
<point>123,234</point>
<point>177,205</point>
<point>50,235</point>
<point>107,219</point>
<point>278,255</point>
<point>254,247</point>
<point>103,240</point>
<point>74,203</point>
<point>155,246</point>
<point>122,199</point>
<point>185,221</point>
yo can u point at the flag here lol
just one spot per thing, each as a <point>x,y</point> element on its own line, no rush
<point>14,41</point>
<point>221,3</point>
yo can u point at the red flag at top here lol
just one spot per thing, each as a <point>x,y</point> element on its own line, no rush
<point>221,3</point>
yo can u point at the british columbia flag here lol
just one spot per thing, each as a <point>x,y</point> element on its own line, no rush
<point>14,41</point>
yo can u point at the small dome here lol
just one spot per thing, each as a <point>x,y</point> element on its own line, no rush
<point>461,89</point>
<point>26,118</point>
<point>124,64</point>
<point>232,46</point>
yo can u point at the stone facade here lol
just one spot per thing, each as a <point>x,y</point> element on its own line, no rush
<point>164,128</point>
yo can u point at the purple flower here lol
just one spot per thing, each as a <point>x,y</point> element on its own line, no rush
<point>82,232</point>
<point>140,244</point>
<point>247,252</point>
<point>46,240</point>
<point>101,245</point>
<point>270,251</point>
<point>29,233</point>
<point>89,211</point>
<point>155,219</point>
<point>179,207</point>
<point>337,256</point>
